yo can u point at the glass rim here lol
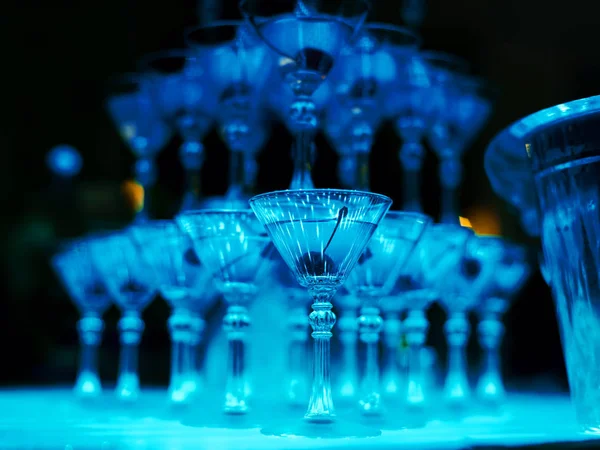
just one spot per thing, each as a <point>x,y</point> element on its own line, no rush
<point>145,62</point>
<point>273,194</point>
<point>211,211</point>
<point>455,61</point>
<point>418,41</point>
<point>194,44</point>
<point>453,227</point>
<point>247,13</point>
<point>399,213</point>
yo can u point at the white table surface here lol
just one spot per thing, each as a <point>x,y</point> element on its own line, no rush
<point>53,418</point>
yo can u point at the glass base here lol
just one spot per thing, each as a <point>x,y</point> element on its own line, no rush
<point>338,428</point>
<point>392,418</point>
<point>205,415</point>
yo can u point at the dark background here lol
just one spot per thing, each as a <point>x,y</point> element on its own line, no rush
<point>57,56</point>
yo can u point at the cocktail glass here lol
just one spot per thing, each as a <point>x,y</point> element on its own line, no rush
<point>461,291</point>
<point>437,254</point>
<point>320,234</point>
<point>360,82</point>
<point>81,279</point>
<point>306,36</point>
<point>187,286</point>
<point>462,104</point>
<point>237,65</point>
<point>511,272</point>
<point>179,87</point>
<point>131,284</point>
<point>408,104</point>
<point>234,245</point>
<point>372,279</point>
<point>131,107</point>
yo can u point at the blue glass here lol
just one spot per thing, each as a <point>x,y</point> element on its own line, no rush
<point>233,244</point>
<point>237,65</point>
<point>461,106</point>
<point>188,288</point>
<point>408,104</point>
<point>359,80</point>
<point>131,284</point>
<point>447,270</point>
<point>81,279</point>
<point>561,145</point>
<point>140,125</point>
<point>177,82</point>
<point>431,265</point>
<point>320,234</point>
<point>306,37</point>
<point>372,279</point>
<point>510,273</point>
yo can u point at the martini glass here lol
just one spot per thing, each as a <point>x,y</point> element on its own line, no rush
<point>462,106</point>
<point>80,277</point>
<point>408,103</point>
<point>461,291</point>
<point>512,270</point>
<point>306,36</point>
<point>437,256</point>
<point>361,80</point>
<point>234,245</point>
<point>184,100</point>
<point>237,67</point>
<point>187,287</point>
<point>320,234</point>
<point>130,282</point>
<point>132,109</point>
<point>373,278</point>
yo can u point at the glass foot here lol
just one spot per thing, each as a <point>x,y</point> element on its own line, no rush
<point>335,429</point>
<point>215,417</point>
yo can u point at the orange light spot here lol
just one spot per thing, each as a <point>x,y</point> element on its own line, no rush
<point>464,222</point>
<point>485,222</point>
<point>134,194</point>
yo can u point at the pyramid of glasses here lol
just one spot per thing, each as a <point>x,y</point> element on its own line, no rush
<point>368,274</point>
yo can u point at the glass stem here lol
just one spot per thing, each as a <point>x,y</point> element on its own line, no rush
<point>348,171</point>
<point>131,328</point>
<point>450,176</point>
<point>369,326</point>
<point>301,179</point>
<point>392,329</point>
<point>191,155</point>
<point>297,383</point>
<point>362,174</point>
<point>321,320</point>
<point>416,327</point>
<point>490,386</point>
<point>456,387</point>
<point>195,377</point>
<point>236,175</point>
<point>412,155</point>
<point>145,175</point>
<point>305,124</point>
<point>250,172</point>
<point>348,333</point>
<point>180,331</point>
<point>235,324</point>
<point>90,329</point>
